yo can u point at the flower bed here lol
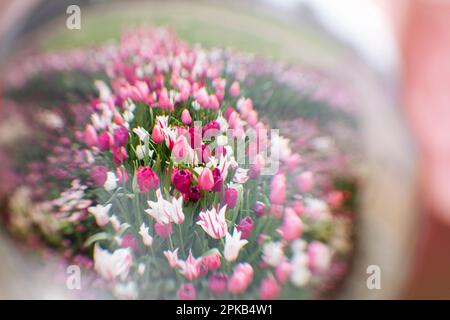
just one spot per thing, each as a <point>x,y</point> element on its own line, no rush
<point>169,183</point>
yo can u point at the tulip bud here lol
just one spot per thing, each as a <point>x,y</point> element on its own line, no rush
<point>231,196</point>
<point>206,180</point>
<point>278,189</point>
<point>105,141</point>
<point>158,134</point>
<point>217,283</point>
<point>245,227</point>
<point>269,289</point>
<point>235,89</point>
<point>187,292</point>
<point>186,117</point>
<point>146,179</point>
<point>120,136</point>
<point>182,180</point>
<point>90,136</point>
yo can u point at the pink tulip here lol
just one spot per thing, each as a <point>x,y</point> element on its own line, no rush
<point>257,166</point>
<point>235,89</point>
<point>240,279</point>
<point>259,209</point>
<point>119,155</point>
<point>186,117</point>
<point>206,180</point>
<point>305,181</point>
<point>139,91</point>
<point>181,150</point>
<point>283,271</point>
<point>319,257</point>
<point>105,141</point>
<point>246,108</point>
<point>182,180</point>
<point>231,196</point>
<point>90,136</point>
<point>120,136</point>
<point>122,175</point>
<point>335,199</point>
<point>146,179</point>
<point>118,119</point>
<point>278,189</point>
<point>228,111</point>
<point>292,226</point>
<point>163,230</point>
<point>252,118</point>
<point>128,241</point>
<point>202,97</point>
<point>187,292</point>
<point>269,289</point>
<point>158,134</point>
<point>212,262</point>
<point>99,175</point>
<point>217,283</point>
<point>214,102</point>
<point>245,227</point>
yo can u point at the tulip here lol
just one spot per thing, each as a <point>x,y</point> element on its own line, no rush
<point>90,136</point>
<point>305,181</point>
<point>213,223</point>
<point>186,117</point>
<point>278,189</point>
<point>122,175</point>
<point>99,174</point>
<point>187,292</point>
<point>146,179</point>
<point>240,279</point>
<point>273,253</point>
<point>120,136</point>
<point>206,180</point>
<point>283,271</point>
<point>235,89</point>
<point>163,230</point>
<point>218,181</point>
<point>245,227</point>
<point>182,151</point>
<point>101,214</point>
<point>319,257</point>
<point>292,226</point>
<point>158,134</point>
<point>119,155</point>
<point>231,196</point>
<point>269,289</point>
<point>105,141</point>
<point>233,244</point>
<point>259,209</point>
<point>111,181</point>
<point>252,118</point>
<point>128,241</point>
<point>190,268</point>
<point>246,108</point>
<point>194,194</point>
<point>202,97</point>
<point>112,265</point>
<point>335,199</point>
<point>214,102</point>
<point>217,283</point>
<point>228,111</point>
<point>212,261</point>
<point>182,180</point>
<point>172,257</point>
<point>147,239</point>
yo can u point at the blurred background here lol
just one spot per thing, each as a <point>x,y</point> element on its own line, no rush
<point>392,56</point>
